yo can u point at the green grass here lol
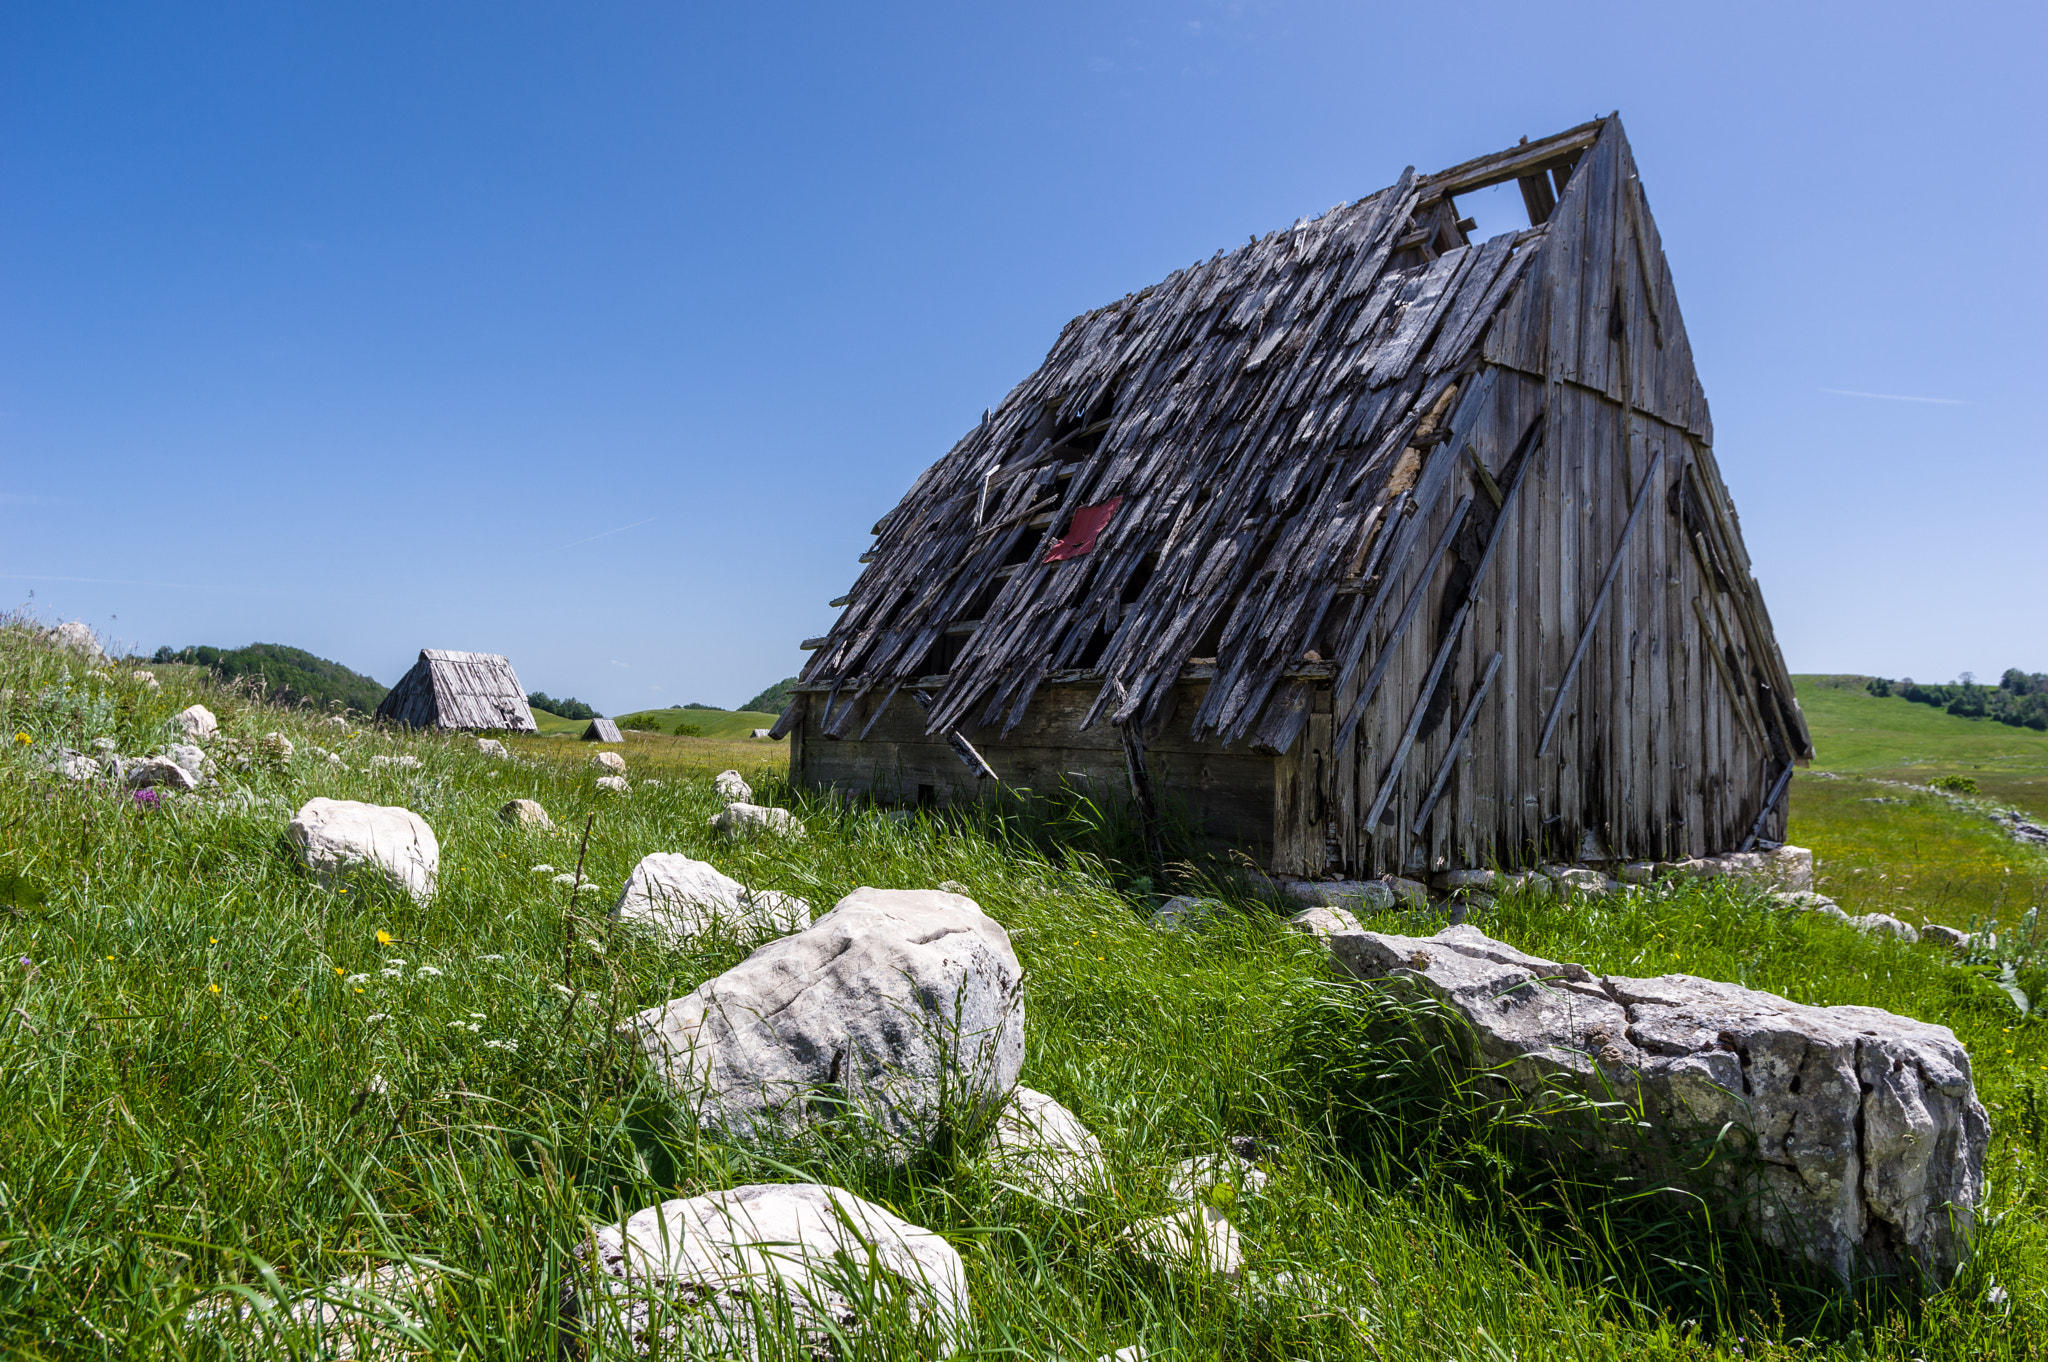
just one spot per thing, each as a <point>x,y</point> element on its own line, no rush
<point>1885,843</point>
<point>160,1140</point>
<point>709,723</point>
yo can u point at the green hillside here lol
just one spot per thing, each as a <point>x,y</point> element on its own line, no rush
<point>708,723</point>
<point>775,699</point>
<point>292,675</point>
<point>1889,738</point>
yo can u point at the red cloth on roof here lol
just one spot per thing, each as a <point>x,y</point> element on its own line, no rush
<point>1080,536</point>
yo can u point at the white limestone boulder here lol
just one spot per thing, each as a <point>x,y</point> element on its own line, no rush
<point>1945,935</point>
<point>614,784</point>
<point>749,820</point>
<point>158,773</point>
<point>76,765</point>
<point>900,1011</point>
<point>526,813</point>
<point>340,839</point>
<point>1324,922</point>
<point>1197,1239</point>
<point>1039,1145</point>
<point>732,787</point>
<point>1194,1181</point>
<point>683,899</point>
<point>1368,896</point>
<point>491,747</point>
<point>197,722</point>
<point>77,637</point>
<point>1868,1137</point>
<point>713,1275</point>
<point>610,761</point>
<point>1884,924</point>
<point>368,1316</point>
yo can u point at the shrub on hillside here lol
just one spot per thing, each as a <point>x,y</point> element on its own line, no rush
<point>291,676</point>
<point>773,700</point>
<point>1878,686</point>
<point>643,723</point>
<point>571,708</point>
<point>1955,784</point>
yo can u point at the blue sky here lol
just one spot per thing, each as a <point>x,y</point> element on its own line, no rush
<point>600,334</point>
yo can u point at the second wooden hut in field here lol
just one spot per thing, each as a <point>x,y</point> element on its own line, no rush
<point>453,690</point>
<point>603,730</point>
<point>1375,547</point>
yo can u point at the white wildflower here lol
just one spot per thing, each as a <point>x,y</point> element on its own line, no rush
<point>501,1045</point>
<point>565,878</point>
<point>543,869</point>
<point>477,1015</point>
<point>393,973</point>
<point>490,957</point>
<point>376,1017</point>
<point>426,972</point>
<point>564,990</point>
<point>357,980</point>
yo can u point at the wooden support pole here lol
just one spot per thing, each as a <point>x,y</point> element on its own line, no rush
<point>1407,615</point>
<point>1756,829</point>
<point>1443,770</point>
<point>880,710</point>
<point>1141,790</point>
<point>1564,687</point>
<point>962,748</point>
<point>1436,671</point>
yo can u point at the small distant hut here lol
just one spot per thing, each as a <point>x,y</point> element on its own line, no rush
<point>603,730</point>
<point>1376,547</point>
<point>459,691</point>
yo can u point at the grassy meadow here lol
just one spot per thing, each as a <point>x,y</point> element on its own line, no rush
<point>222,1082</point>
<point>1885,842</point>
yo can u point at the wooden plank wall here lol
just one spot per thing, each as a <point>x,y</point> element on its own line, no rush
<point>1227,794</point>
<point>1651,755</point>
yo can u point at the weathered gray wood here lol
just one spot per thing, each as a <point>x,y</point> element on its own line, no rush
<point>454,690</point>
<point>1407,743</point>
<point>1457,744</point>
<point>1564,685</point>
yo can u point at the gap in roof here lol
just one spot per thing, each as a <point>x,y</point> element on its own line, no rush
<point>1498,208</point>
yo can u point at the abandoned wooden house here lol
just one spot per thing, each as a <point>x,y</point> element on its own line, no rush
<point>603,730</point>
<point>1369,547</point>
<point>459,690</point>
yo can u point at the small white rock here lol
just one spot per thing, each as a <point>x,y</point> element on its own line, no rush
<point>198,722</point>
<point>615,784</point>
<point>732,788</point>
<point>1199,1238</point>
<point>491,747</point>
<point>744,819</point>
<point>610,761</point>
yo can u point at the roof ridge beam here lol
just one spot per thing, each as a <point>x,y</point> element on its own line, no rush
<point>1483,172</point>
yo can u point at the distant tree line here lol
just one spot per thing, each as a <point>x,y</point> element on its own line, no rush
<point>773,700</point>
<point>571,708</point>
<point>2020,698</point>
<point>290,675</point>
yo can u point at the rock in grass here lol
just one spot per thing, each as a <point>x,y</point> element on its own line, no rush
<point>197,721</point>
<point>610,761</point>
<point>491,747</point>
<point>898,1012</point>
<point>1946,936</point>
<point>732,787</point>
<point>1869,1138</point>
<point>361,1317</point>
<point>158,773</point>
<point>1360,895</point>
<point>1324,922</point>
<point>614,784</point>
<point>1200,1239</point>
<point>1883,924</point>
<point>1809,902</point>
<point>339,839</point>
<point>1039,1145</point>
<point>405,762</point>
<point>1195,1180</point>
<point>526,813</point>
<point>77,637</point>
<point>1183,911</point>
<point>701,1276</point>
<point>745,820</point>
<point>683,899</point>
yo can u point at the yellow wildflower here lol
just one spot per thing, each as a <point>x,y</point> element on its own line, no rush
<point>213,988</point>
<point>384,938</point>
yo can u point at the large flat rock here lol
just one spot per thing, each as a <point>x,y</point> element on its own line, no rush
<point>1866,1138</point>
<point>683,899</point>
<point>897,1011</point>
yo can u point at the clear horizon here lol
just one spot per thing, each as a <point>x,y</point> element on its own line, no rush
<point>599,339</point>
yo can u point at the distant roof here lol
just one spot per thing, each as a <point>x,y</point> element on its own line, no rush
<point>455,690</point>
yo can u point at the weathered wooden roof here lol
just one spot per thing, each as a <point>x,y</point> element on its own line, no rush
<point>459,690</point>
<point>603,730</point>
<point>1262,415</point>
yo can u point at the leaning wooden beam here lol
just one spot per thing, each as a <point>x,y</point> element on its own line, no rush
<point>1756,829</point>
<point>1141,790</point>
<point>1526,450</point>
<point>880,710</point>
<point>1443,770</point>
<point>1564,687</point>
<point>1436,671</point>
<point>962,748</point>
<point>1485,171</point>
<point>1736,698</point>
<point>1408,611</point>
